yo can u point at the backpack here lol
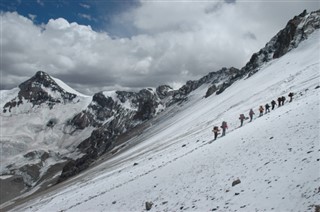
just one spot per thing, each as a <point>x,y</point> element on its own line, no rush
<point>224,124</point>
<point>261,109</point>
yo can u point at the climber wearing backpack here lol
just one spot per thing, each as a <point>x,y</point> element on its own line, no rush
<point>242,117</point>
<point>267,106</point>
<point>216,132</point>
<point>224,126</point>
<point>290,95</point>
<point>261,110</point>
<point>283,99</point>
<point>251,113</point>
<point>279,101</point>
<point>273,103</point>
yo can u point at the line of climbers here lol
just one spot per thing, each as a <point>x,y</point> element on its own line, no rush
<point>266,108</point>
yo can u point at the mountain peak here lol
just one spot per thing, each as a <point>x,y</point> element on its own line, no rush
<point>39,89</point>
<point>41,75</point>
<point>40,78</point>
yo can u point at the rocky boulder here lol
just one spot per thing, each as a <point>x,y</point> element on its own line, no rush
<point>211,90</point>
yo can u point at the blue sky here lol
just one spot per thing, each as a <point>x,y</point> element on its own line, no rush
<point>125,45</point>
<point>98,14</point>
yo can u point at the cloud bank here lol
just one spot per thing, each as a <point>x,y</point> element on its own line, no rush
<point>170,42</point>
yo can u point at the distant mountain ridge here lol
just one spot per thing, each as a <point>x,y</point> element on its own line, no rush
<point>97,122</point>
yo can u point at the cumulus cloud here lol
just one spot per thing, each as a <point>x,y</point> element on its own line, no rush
<point>173,42</point>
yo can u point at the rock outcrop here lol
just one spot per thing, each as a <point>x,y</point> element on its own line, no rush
<point>112,114</point>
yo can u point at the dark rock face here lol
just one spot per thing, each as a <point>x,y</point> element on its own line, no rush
<point>212,78</point>
<point>11,187</point>
<point>111,116</point>
<point>36,155</point>
<point>296,30</point>
<point>73,167</point>
<point>81,120</point>
<point>32,171</point>
<point>37,90</point>
<point>164,91</point>
<point>148,102</point>
<point>224,86</point>
<point>211,90</point>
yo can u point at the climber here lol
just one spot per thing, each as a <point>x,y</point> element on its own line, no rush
<point>261,110</point>
<point>283,99</point>
<point>242,117</point>
<point>273,103</point>
<point>251,113</point>
<point>224,126</point>
<point>216,132</point>
<point>290,95</point>
<point>267,106</point>
<point>279,101</point>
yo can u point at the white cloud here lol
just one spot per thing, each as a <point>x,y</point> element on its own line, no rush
<point>40,2</point>
<point>174,42</point>
<point>85,16</point>
<point>86,6</point>
<point>32,16</point>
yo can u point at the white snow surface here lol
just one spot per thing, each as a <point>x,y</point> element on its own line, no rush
<point>5,95</point>
<point>276,157</point>
<point>67,87</point>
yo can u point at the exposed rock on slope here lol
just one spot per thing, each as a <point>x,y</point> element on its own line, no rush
<point>112,114</point>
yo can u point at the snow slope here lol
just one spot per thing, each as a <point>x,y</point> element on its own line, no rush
<point>276,157</point>
<point>67,87</point>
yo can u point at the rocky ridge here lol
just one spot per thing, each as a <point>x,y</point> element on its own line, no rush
<point>296,30</point>
<point>115,113</point>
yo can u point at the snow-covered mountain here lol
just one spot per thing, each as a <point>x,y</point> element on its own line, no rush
<point>35,136</point>
<point>151,145</point>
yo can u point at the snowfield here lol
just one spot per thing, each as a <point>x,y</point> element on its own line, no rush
<point>276,157</point>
